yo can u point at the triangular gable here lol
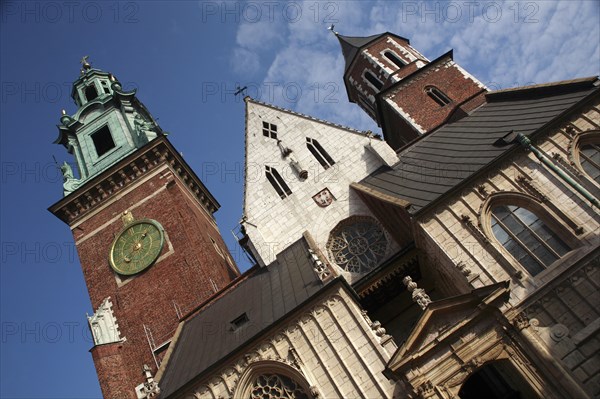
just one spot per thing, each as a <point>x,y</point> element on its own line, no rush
<point>439,320</point>
<point>278,138</point>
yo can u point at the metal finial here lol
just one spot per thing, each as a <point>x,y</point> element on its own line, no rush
<point>331,29</point>
<point>63,112</point>
<point>85,63</point>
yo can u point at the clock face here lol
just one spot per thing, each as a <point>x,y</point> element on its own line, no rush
<point>136,247</point>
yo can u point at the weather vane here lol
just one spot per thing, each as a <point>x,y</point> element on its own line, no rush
<point>240,90</point>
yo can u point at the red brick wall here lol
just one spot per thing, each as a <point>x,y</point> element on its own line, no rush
<point>424,111</point>
<point>147,299</point>
<point>362,63</point>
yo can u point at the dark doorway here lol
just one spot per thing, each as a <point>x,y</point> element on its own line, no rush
<point>498,380</point>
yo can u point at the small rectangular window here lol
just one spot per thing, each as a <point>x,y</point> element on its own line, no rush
<point>103,141</point>
<point>378,84</point>
<point>270,130</point>
<point>90,92</point>
<point>239,321</point>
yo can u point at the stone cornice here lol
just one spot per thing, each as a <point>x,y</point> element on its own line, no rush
<point>101,188</point>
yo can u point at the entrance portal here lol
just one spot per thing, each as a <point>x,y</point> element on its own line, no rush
<point>498,380</point>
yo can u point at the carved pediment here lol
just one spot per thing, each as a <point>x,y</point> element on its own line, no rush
<point>445,317</point>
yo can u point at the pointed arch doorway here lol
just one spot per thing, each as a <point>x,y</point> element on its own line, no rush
<point>496,380</point>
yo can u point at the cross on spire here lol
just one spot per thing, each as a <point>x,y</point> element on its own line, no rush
<point>85,63</point>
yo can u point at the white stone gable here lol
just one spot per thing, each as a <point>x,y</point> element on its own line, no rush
<point>272,223</point>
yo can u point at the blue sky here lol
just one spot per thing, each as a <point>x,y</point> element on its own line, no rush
<point>186,59</point>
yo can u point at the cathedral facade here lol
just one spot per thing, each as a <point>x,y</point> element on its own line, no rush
<point>455,257</point>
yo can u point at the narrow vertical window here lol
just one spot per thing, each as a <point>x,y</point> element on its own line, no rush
<point>436,95</point>
<point>589,158</point>
<point>373,80</point>
<point>269,130</point>
<point>395,60</point>
<point>90,92</point>
<point>277,182</point>
<point>105,87</point>
<point>528,239</point>
<point>319,152</point>
<point>103,141</point>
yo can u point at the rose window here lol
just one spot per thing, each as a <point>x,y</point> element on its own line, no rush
<point>357,246</point>
<point>276,386</point>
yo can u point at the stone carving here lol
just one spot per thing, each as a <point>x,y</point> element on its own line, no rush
<point>319,267</point>
<point>148,389</point>
<point>104,325</point>
<point>418,294</point>
<point>466,220</point>
<point>463,268</point>
<point>521,321</point>
<point>426,390</point>
<point>531,188</point>
<point>143,127</point>
<point>558,332</point>
<point>70,183</point>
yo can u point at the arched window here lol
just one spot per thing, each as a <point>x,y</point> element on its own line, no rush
<point>533,243</point>
<point>357,244</point>
<point>587,154</point>
<point>436,95</point>
<point>269,379</point>
<point>378,84</point>
<point>276,386</point>
<point>277,182</point>
<point>319,152</point>
<point>394,58</point>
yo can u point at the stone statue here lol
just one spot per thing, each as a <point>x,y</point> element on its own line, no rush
<point>70,183</point>
<point>143,127</point>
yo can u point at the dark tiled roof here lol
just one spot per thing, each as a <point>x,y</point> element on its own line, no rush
<point>265,296</point>
<point>438,162</point>
<point>351,45</point>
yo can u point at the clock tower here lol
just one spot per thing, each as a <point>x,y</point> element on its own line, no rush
<point>143,226</point>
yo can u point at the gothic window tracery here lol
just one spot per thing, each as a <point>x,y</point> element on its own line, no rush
<point>319,153</point>
<point>531,241</point>
<point>358,244</point>
<point>276,386</point>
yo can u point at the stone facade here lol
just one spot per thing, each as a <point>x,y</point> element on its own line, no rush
<point>329,348</point>
<point>272,223</point>
<point>559,302</point>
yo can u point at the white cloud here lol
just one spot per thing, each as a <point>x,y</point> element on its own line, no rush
<point>503,43</point>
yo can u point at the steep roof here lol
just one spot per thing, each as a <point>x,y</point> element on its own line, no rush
<point>265,296</point>
<point>437,163</point>
<point>351,45</point>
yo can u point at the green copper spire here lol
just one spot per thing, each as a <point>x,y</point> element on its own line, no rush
<point>109,124</point>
